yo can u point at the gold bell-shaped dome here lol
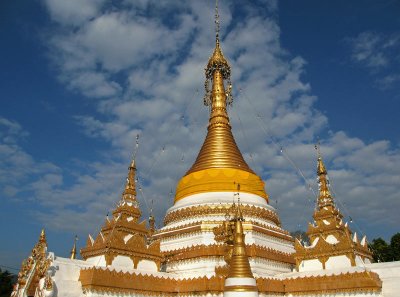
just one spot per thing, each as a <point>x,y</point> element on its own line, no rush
<point>219,166</point>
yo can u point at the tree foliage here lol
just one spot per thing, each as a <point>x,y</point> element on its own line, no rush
<point>395,246</point>
<point>5,283</point>
<point>301,235</point>
<point>385,252</point>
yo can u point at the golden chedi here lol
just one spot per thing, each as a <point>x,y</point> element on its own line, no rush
<point>206,192</point>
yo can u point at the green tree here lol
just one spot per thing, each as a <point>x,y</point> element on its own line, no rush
<point>395,247</point>
<point>381,251</point>
<point>5,283</point>
<point>301,235</point>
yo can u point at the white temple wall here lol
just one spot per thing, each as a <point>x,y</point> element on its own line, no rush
<point>207,238</point>
<point>269,241</point>
<point>338,262</point>
<point>218,198</point>
<point>65,273</point>
<point>147,265</point>
<point>241,281</point>
<point>122,262</point>
<point>181,241</point>
<point>389,273</point>
<point>195,267</point>
<point>309,265</point>
<point>265,268</point>
<point>240,294</point>
<point>359,261</point>
<point>97,261</point>
<point>259,266</point>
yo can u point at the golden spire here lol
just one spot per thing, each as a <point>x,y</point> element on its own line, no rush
<point>73,251</point>
<point>325,197</point>
<point>239,264</point>
<point>219,149</point>
<point>219,164</point>
<point>42,238</point>
<point>130,186</point>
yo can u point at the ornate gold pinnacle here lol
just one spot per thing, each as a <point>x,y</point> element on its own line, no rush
<point>73,251</point>
<point>239,264</point>
<point>325,197</point>
<point>130,186</point>
<point>219,149</point>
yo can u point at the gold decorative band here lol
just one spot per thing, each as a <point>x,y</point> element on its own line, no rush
<point>241,288</point>
<point>97,279</point>
<point>214,250</point>
<point>218,210</point>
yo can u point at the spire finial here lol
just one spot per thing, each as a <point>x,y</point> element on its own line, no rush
<point>136,147</point>
<point>130,187</point>
<point>73,251</point>
<point>42,237</point>
<point>321,167</point>
<point>217,64</point>
<point>325,197</point>
<point>216,23</point>
<point>318,148</point>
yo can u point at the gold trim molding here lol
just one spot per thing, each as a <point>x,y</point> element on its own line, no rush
<point>111,281</point>
<point>214,250</point>
<point>220,209</point>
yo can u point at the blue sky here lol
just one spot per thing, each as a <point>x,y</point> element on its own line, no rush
<point>79,80</point>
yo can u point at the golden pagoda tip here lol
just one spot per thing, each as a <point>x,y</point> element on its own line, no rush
<point>73,251</point>
<point>42,237</point>
<point>133,164</point>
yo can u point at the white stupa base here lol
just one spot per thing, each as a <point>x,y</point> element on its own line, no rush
<point>241,294</point>
<point>236,282</point>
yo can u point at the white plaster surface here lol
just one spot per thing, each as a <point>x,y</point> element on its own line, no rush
<point>195,267</point>
<point>389,273</point>
<point>147,265</point>
<point>66,277</point>
<point>122,262</point>
<point>66,274</point>
<point>309,265</point>
<point>337,262</point>
<point>240,294</point>
<point>235,281</point>
<point>266,268</point>
<point>97,261</point>
<point>269,241</point>
<point>220,197</point>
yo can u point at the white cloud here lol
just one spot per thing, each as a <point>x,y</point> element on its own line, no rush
<point>378,52</point>
<point>73,12</point>
<point>367,48</point>
<point>16,165</point>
